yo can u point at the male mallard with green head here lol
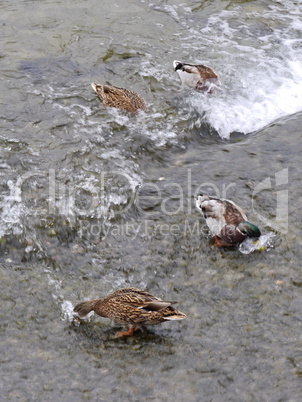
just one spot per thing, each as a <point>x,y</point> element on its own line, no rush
<point>196,76</point>
<point>226,221</point>
<point>132,307</point>
<point>119,97</point>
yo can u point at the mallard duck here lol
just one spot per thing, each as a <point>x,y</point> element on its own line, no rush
<point>119,97</point>
<point>196,76</point>
<point>132,307</point>
<point>226,221</point>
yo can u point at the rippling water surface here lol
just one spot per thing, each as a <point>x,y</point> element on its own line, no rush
<point>93,199</point>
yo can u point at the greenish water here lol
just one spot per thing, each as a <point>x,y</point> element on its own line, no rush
<point>92,200</point>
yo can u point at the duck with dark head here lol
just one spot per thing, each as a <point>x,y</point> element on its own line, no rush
<point>226,221</point>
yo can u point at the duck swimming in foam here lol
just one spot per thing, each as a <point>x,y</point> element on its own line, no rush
<point>196,76</point>
<point>226,221</point>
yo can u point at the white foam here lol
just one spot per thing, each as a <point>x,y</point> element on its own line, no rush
<point>257,54</point>
<point>249,110</point>
<point>55,286</point>
<point>67,310</point>
<point>12,209</point>
<point>265,242</point>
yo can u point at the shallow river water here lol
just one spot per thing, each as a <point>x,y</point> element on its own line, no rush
<point>94,199</point>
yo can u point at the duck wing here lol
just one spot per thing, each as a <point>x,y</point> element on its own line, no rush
<point>140,299</point>
<point>219,213</point>
<point>205,72</point>
<point>233,214</point>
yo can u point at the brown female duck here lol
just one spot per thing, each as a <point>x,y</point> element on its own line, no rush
<point>119,97</point>
<point>226,221</point>
<point>132,307</point>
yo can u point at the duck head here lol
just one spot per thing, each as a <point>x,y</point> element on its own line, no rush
<point>177,65</point>
<point>249,229</point>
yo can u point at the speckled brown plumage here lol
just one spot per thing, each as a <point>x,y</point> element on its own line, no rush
<point>119,97</point>
<point>132,307</point>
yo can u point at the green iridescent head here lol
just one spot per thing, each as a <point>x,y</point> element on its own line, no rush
<point>249,229</point>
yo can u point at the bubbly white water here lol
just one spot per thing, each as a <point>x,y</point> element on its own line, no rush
<point>67,310</point>
<point>256,52</point>
<point>265,242</point>
<point>12,209</point>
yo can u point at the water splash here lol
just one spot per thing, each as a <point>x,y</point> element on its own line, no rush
<point>246,110</point>
<point>256,52</point>
<point>57,294</point>
<point>264,243</point>
<point>69,315</point>
<point>13,209</point>
<point>67,310</point>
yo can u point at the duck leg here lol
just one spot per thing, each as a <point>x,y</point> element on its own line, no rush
<point>131,331</point>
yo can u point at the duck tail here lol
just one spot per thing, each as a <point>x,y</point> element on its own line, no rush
<point>176,315</point>
<point>94,86</point>
<point>84,308</point>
